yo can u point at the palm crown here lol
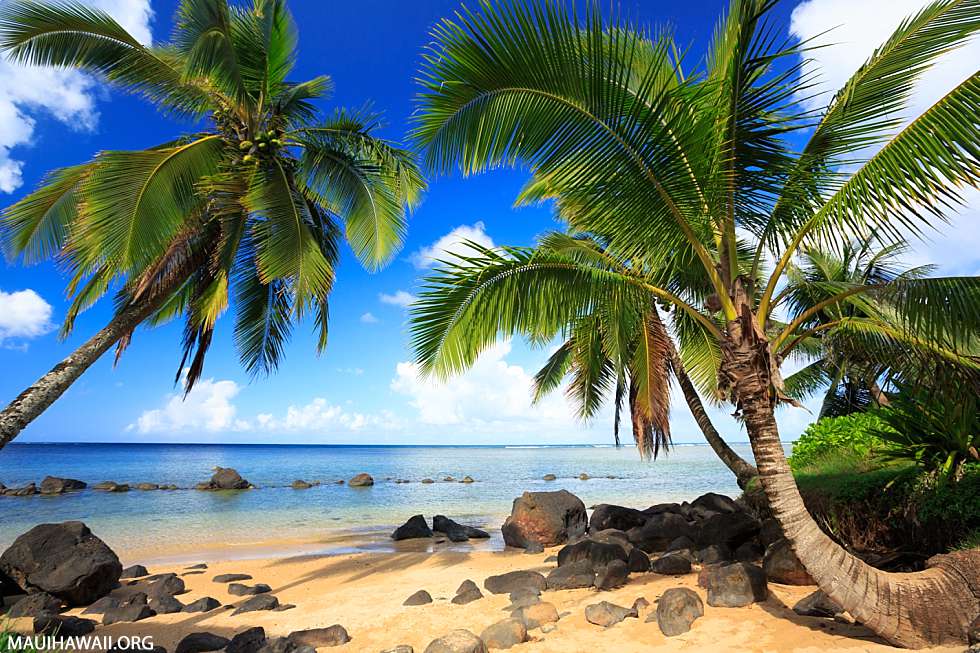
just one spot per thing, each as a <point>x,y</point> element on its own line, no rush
<point>248,207</point>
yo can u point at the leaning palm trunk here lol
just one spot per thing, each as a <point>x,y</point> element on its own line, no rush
<point>935,606</point>
<point>45,391</point>
<point>744,472</point>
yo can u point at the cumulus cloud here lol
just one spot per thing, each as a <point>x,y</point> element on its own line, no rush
<point>320,417</point>
<point>209,407</point>
<point>66,95</point>
<point>493,396</point>
<point>856,29</point>
<point>452,245</point>
<point>368,318</point>
<point>398,298</point>
<point>23,315</point>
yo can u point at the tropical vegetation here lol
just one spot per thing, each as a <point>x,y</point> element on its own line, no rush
<point>246,209</point>
<point>689,170</point>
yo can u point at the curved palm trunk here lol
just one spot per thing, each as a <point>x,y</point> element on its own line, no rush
<point>744,472</point>
<point>45,391</point>
<point>931,607</point>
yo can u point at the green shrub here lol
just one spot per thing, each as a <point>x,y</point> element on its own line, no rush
<point>845,441</point>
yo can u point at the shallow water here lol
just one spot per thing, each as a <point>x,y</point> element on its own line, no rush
<point>329,517</point>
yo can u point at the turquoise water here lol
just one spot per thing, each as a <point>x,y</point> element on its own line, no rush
<point>187,522</point>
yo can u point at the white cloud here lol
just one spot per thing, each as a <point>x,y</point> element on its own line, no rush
<point>209,407</point>
<point>452,245</point>
<point>320,417</point>
<point>23,314</point>
<point>368,318</point>
<point>493,396</point>
<point>398,298</point>
<point>66,95</point>
<point>856,29</point>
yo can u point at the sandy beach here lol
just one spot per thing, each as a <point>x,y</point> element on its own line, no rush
<point>364,592</point>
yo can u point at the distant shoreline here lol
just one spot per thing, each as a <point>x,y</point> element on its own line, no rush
<point>594,445</point>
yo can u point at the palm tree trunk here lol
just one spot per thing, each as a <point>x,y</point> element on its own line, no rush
<point>744,471</point>
<point>927,608</point>
<point>45,391</point>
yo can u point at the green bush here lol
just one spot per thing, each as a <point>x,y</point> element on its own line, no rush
<point>842,441</point>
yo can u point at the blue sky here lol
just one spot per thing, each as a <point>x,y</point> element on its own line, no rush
<point>364,388</point>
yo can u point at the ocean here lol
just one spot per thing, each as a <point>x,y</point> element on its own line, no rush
<point>274,518</point>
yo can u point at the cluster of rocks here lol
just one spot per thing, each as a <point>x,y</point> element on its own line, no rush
<point>416,527</point>
<point>54,567</point>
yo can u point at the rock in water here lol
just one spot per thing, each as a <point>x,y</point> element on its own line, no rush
<point>65,560</point>
<point>301,485</point>
<point>817,604</point>
<point>419,598</point>
<point>504,634</point>
<point>416,527</point>
<point>514,581</point>
<point>111,486</point>
<point>136,571</point>
<point>677,609</point>
<point>536,615</point>
<point>28,490</point>
<point>782,566</point>
<point>607,614</point>
<point>334,635</point>
<point>37,604</point>
<point>458,641</point>
<point>249,640</point>
<point>201,642</point>
<point>735,585</point>
<point>361,480</point>
<point>56,485</point>
<point>549,518</point>
<point>549,477</point>
<point>226,478</point>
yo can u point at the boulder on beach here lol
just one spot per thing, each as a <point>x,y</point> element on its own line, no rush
<point>135,608</point>
<point>203,604</point>
<point>66,560</point>
<point>782,566</point>
<point>659,530</point>
<point>504,634</point>
<point>731,528</point>
<point>250,640</point>
<point>536,615</point>
<point>57,485</point>
<point>607,614</point>
<point>134,571</point>
<point>677,609</point>
<point>817,604</point>
<point>458,641</point>
<point>605,516</point>
<point>467,593</point>
<point>35,604</point>
<point>335,635</point>
<point>675,563</point>
<point>456,532</point>
<point>361,480</point>
<point>613,575</point>
<point>60,626</point>
<point>201,642</point>
<point>714,554</point>
<point>570,576</point>
<point>415,527</point>
<point>735,585</point>
<point>231,578</point>
<point>597,553</point>
<point>419,598</point>
<point>166,585</point>
<point>240,589</point>
<point>638,561</point>
<point>514,581</point>
<point>715,503</point>
<point>258,603</point>
<point>165,605</point>
<point>549,518</point>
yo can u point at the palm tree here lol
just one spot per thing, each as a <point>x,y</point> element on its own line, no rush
<point>247,209</point>
<point>619,346</point>
<point>678,168</point>
<point>852,363</point>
